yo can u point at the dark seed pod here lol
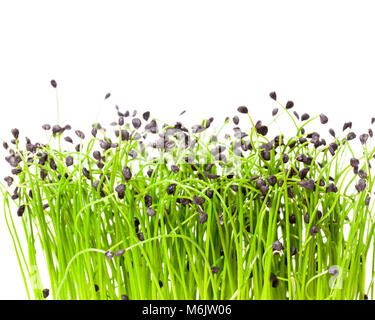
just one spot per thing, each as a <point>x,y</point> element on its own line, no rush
<point>126,173</point>
<point>363,138</point>
<point>107,96</point>
<point>174,168</point>
<point>86,173</point>
<point>306,217</point>
<point>16,171</point>
<point>296,114</point>
<point>314,230</point>
<point>120,252</point>
<point>274,280</point>
<point>150,172</point>
<point>203,217</point>
<point>146,115</point>
<point>347,125</point>
<point>285,158</point>
<point>68,139</point>
<point>52,164</point>
<point>120,189</point>
<point>136,123</point>
<point>78,147</point>
<point>140,236</point>
<point>210,193</point>
<point>132,153</point>
<point>171,188</point>
<point>94,132</point>
<point>319,214</point>
<point>69,161</point>
<point>46,291</point>
<point>148,201</point>
<point>109,254</point>
<point>274,112</point>
<point>323,118</point>
<point>308,184</point>
<point>8,180</point>
<point>331,188</point>
<point>264,189</point>
<point>21,210</point>
<point>361,186</point>
<point>105,144</point>
<point>53,83</point>
<point>183,201</point>
<point>57,129</point>
<point>362,174</point>
<point>46,127</point>
<point>259,183</point>
<point>80,134</point>
<point>332,132</point>
<point>303,172</point>
<point>97,155</point>
<point>236,120</point>
<point>266,155</point>
<point>15,132</point>
<point>273,95</point>
<point>272,180</point>
<point>293,251</point>
<point>215,270</point>
<point>198,200</point>
<point>100,164</point>
<point>367,201</point>
<point>150,212</point>
<point>121,121</point>
<point>289,105</point>
<point>95,185</point>
<point>292,218</point>
<point>370,132</point>
<point>354,162</point>
<point>305,117</point>
<point>277,246</point>
<point>242,109</point>
<point>263,130</point>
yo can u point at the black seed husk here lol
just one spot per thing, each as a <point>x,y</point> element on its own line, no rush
<point>126,173</point>
<point>323,118</point>
<point>109,254</point>
<point>277,246</point>
<point>80,134</point>
<point>69,161</point>
<point>46,291</point>
<point>150,212</point>
<point>53,83</point>
<point>242,109</point>
<point>21,210</point>
<point>198,200</point>
<point>289,105</point>
<point>314,230</point>
<point>171,188</point>
<point>148,201</point>
<point>215,270</point>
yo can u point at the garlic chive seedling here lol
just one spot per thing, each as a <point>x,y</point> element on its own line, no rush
<point>150,210</point>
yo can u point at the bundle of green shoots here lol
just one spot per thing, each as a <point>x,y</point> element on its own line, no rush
<point>191,215</point>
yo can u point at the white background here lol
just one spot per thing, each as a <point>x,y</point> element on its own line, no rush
<point>207,57</point>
